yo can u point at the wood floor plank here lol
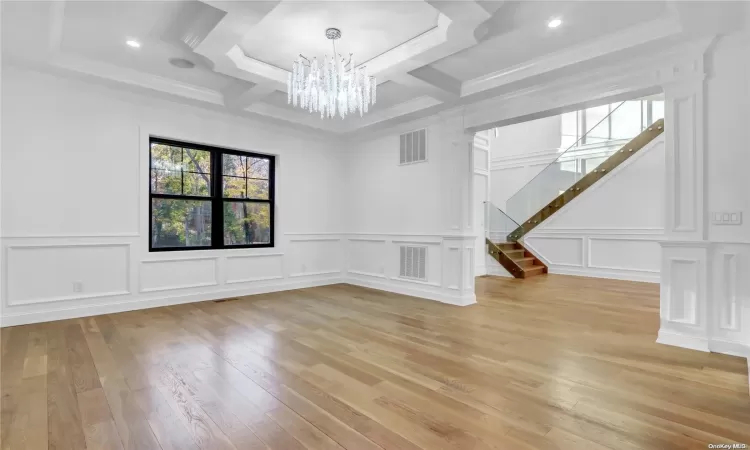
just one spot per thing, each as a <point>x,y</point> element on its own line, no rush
<point>64,425</point>
<point>550,362</point>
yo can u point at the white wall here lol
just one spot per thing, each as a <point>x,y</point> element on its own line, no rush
<point>613,229</point>
<point>526,137</point>
<point>519,152</point>
<point>424,204</point>
<point>75,203</point>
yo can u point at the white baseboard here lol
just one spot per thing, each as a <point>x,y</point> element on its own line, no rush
<point>647,277</point>
<point>437,294</point>
<point>703,344</point>
<point>87,310</point>
<point>729,348</point>
<point>682,340</point>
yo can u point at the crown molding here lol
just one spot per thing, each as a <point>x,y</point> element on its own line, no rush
<point>620,40</point>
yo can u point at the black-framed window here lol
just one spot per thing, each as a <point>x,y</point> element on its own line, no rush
<point>203,197</point>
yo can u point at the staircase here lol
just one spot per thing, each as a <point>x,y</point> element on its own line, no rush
<point>520,262</point>
<point>547,193</point>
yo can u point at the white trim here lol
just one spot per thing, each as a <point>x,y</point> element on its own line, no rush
<point>252,280</point>
<point>71,235</point>
<point>728,347</point>
<point>367,274</point>
<point>644,233</point>
<point>110,308</point>
<point>641,276</point>
<point>683,340</point>
<point>253,255</point>
<point>312,274</point>
<point>323,239</point>
<point>622,39</point>
<point>430,294</point>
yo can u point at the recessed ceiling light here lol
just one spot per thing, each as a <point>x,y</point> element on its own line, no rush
<point>554,23</point>
<point>132,43</point>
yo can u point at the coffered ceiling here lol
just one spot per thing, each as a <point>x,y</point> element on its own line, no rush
<point>426,55</point>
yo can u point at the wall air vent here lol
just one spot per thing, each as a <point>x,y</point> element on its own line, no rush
<point>413,147</point>
<point>413,262</point>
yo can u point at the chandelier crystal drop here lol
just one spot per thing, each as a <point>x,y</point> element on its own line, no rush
<point>331,85</point>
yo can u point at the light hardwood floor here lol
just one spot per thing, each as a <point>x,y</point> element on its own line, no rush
<point>544,363</point>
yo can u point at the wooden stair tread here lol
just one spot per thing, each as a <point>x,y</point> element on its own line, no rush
<point>534,271</point>
<point>518,261</point>
<point>526,261</point>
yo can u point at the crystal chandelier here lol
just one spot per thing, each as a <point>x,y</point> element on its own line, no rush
<point>330,85</point>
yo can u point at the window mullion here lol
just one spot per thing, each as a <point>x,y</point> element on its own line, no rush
<point>217,208</point>
<point>182,171</point>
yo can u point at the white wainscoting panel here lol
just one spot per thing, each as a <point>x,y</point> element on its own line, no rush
<point>318,255</point>
<point>41,273</point>
<point>684,301</point>
<point>449,264</point>
<point>730,298</point>
<point>367,256</point>
<point>557,250</point>
<point>253,267</point>
<point>178,273</point>
<point>616,253</point>
<point>624,253</point>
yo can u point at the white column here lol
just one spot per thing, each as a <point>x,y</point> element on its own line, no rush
<point>685,313</point>
<point>458,252</point>
<point>480,165</point>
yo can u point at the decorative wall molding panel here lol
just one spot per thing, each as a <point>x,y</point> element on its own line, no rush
<point>178,273</point>
<point>71,271</point>
<point>253,267</point>
<point>684,301</point>
<point>685,160</point>
<point>374,261</point>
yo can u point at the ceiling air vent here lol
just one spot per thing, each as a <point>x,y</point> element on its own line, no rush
<point>413,147</point>
<point>413,261</point>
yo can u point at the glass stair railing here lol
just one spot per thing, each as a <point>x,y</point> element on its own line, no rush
<point>613,140</point>
<point>610,142</point>
<point>582,158</point>
<point>498,225</point>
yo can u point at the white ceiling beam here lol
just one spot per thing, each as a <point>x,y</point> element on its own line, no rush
<point>455,31</point>
<point>397,110</point>
<point>432,82</point>
<point>627,38</point>
<point>462,11</point>
<point>297,116</point>
<point>239,98</point>
<point>220,45</point>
